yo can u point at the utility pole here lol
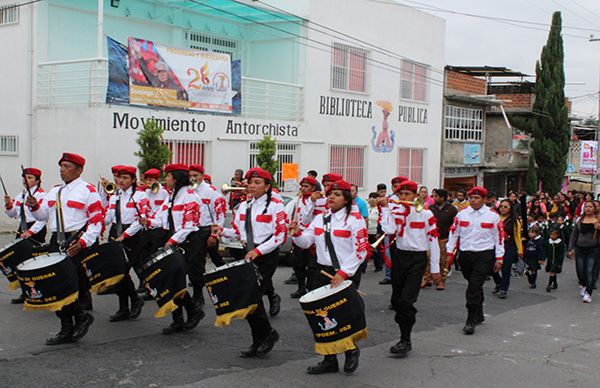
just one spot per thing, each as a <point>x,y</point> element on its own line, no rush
<point>595,177</point>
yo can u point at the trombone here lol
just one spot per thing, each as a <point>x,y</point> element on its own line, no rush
<point>418,203</point>
<point>226,188</point>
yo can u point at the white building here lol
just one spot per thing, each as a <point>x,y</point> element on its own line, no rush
<point>320,94</point>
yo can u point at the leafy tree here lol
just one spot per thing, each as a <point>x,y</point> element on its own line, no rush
<point>267,148</point>
<point>153,154</point>
<point>531,181</point>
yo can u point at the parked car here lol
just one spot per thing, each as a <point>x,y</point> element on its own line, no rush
<point>233,247</point>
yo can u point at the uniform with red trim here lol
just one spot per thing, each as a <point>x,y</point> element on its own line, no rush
<point>13,210</point>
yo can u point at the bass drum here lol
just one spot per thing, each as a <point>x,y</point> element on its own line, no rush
<point>11,256</point>
<point>104,265</point>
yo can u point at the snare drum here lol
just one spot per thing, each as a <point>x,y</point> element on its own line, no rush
<point>336,317</point>
<point>233,289</point>
<point>104,265</point>
<point>50,282</point>
<point>11,256</point>
<point>163,276</point>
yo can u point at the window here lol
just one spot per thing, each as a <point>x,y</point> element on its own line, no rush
<point>286,153</point>
<point>410,163</point>
<point>413,81</point>
<point>464,124</point>
<point>204,42</point>
<point>348,68</point>
<point>9,145</point>
<point>349,162</point>
<point>186,151</point>
<point>9,14</point>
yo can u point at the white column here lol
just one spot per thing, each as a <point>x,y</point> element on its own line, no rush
<point>100,37</point>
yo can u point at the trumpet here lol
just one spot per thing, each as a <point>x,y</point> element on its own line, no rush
<point>155,187</point>
<point>109,187</point>
<point>378,241</point>
<point>226,188</point>
<point>193,184</point>
<point>418,203</point>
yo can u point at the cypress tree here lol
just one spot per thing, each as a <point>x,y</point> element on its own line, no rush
<point>152,153</point>
<point>531,181</point>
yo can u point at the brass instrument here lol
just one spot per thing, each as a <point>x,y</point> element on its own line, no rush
<point>226,188</point>
<point>378,241</point>
<point>109,187</point>
<point>193,184</point>
<point>155,187</point>
<point>418,203</point>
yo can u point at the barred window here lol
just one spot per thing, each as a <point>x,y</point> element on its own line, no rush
<point>348,68</point>
<point>9,145</point>
<point>186,151</point>
<point>413,81</point>
<point>349,162</point>
<point>286,153</point>
<point>216,44</point>
<point>9,14</point>
<point>410,163</point>
<point>463,124</point>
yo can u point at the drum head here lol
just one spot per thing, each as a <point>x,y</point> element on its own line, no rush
<point>41,262</point>
<point>230,265</point>
<point>323,292</point>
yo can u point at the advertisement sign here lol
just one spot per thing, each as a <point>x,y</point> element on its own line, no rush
<point>472,153</point>
<point>587,160</point>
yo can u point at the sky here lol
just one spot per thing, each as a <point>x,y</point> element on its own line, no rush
<point>474,41</point>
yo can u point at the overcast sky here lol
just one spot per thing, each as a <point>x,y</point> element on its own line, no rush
<point>474,41</point>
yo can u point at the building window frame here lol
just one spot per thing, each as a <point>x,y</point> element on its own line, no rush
<point>285,153</point>
<point>346,72</point>
<point>9,145</point>
<point>200,40</point>
<point>186,151</point>
<point>463,124</point>
<point>412,167</point>
<point>414,83</point>
<point>350,162</point>
<point>9,14</point>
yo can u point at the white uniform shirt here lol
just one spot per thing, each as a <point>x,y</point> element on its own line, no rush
<point>348,236</point>
<point>80,205</point>
<point>14,209</point>
<point>156,199</point>
<point>213,205</point>
<point>186,215</point>
<point>269,228</point>
<point>478,230</point>
<point>129,214</point>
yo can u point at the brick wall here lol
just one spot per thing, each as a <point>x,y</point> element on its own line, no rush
<point>518,100</point>
<point>464,83</point>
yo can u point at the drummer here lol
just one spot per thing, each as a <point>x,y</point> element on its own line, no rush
<point>123,215</point>
<point>74,214</point>
<point>179,218</point>
<point>260,224</point>
<point>341,257</point>
<point>29,227</point>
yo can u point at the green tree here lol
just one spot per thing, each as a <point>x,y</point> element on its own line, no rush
<point>531,181</point>
<point>152,153</point>
<point>549,124</point>
<point>267,148</point>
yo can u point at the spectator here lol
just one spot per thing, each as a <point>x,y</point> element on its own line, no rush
<point>372,230</point>
<point>512,196</point>
<point>423,193</point>
<point>381,190</point>
<point>313,174</point>
<point>492,200</point>
<point>362,205</point>
<point>235,197</point>
<point>460,202</point>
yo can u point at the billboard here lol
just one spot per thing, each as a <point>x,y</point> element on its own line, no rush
<point>587,158</point>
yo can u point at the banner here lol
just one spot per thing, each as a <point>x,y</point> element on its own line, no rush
<point>472,153</point>
<point>587,160</point>
<point>117,91</point>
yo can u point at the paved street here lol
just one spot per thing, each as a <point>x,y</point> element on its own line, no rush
<point>531,339</point>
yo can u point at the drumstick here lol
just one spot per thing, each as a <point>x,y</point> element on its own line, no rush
<point>327,274</point>
<point>3,187</point>
<point>25,182</point>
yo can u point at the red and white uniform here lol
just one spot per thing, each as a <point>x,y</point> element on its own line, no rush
<point>213,205</point>
<point>313,209</point>
<point>80,205</point>
<point>416,232</point>
<point>13,210</point>
<point>269,228</point>
<point>129,214</point>
<point>348,235</point>
<point>478,230</point>
<point>156,200</point>
<point>186,215</point>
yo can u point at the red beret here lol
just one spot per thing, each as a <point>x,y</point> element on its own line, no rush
<point>331,177</point>
<point>207,178</point>
<point>309,180</point>
<point>116,168</point>
<point>129,170</point>
<point>152,173</point>
<point>258,172</point>
<point>73,158</point>
<point>176,167</point>
<point>478,190</point>
<point>338,185</point>
<point>408,185</point>
<point>197,167</point>
<point>33,171</point>
<point>399,179</point>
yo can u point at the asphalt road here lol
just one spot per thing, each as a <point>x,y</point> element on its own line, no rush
<point>531,339</point>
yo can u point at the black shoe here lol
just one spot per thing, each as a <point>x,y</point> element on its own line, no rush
<point>328,365</point>
<point>267,344</point>
<point>274,305</point>
<point>532,285</point>
<point>136,308</point>
<point>377,270</point>
<point>64,336</point>
<point>174,327</point>
<point>496,289</point>
<point>250,352</point>
<point>548,288</point>
<point>19,300</point>
<point>120,315</point>
<point>385,281</point>
<point>479,320</point>
<point>82,325</point>
<point>351,362</point>
<point>391,307</point>
<point>469,328</point>
<point>298,293</point>
<point>292,279</point>
<point>502,295</point>
<point>195,315</point>
<point>401,349</point>
<point>198,296</point>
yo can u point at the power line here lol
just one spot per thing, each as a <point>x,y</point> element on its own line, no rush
<point>574,13</point>
<point>585,8</point>
<point>23,4</point>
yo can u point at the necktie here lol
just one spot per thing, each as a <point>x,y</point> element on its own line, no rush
<point>22,216</point>
<point>60,224</point>
<point>119,227</point>
<point>248,225</point>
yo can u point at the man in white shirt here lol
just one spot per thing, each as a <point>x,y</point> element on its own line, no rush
<point>481,250</point>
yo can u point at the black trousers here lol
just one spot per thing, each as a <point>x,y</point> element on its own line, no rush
<point>195,247</point>
<point>476,267</point>
<point>259,320</point>
<point>215,257</point>
<point>39,237</point>
<point>408,268</point>
<point>320,280</point>
<point>302,258</point>
<point>125,290</point>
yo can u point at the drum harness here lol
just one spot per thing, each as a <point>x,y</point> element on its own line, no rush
<point>250,237</point>
<point>330,248</point>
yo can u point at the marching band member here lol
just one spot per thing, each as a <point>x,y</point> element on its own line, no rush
<point>29,227</point>
<point>72,208</point>
<point>260,224</point>
<point>318,203</point>
<point>104,196</point>
<point>416,234</point>
<point>339,253</point>
<point>123,215</point>
<point>212,216</point>
<point>157,196</point>
<point>179,217</point>
<point>481,250</point>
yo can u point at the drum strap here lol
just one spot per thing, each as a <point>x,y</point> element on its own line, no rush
<point>248,224</point>
<point>119,226</point>
<point>170,215</point>
<point>327,226</point>
<point>23,222</point>
<point>60,224</point>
